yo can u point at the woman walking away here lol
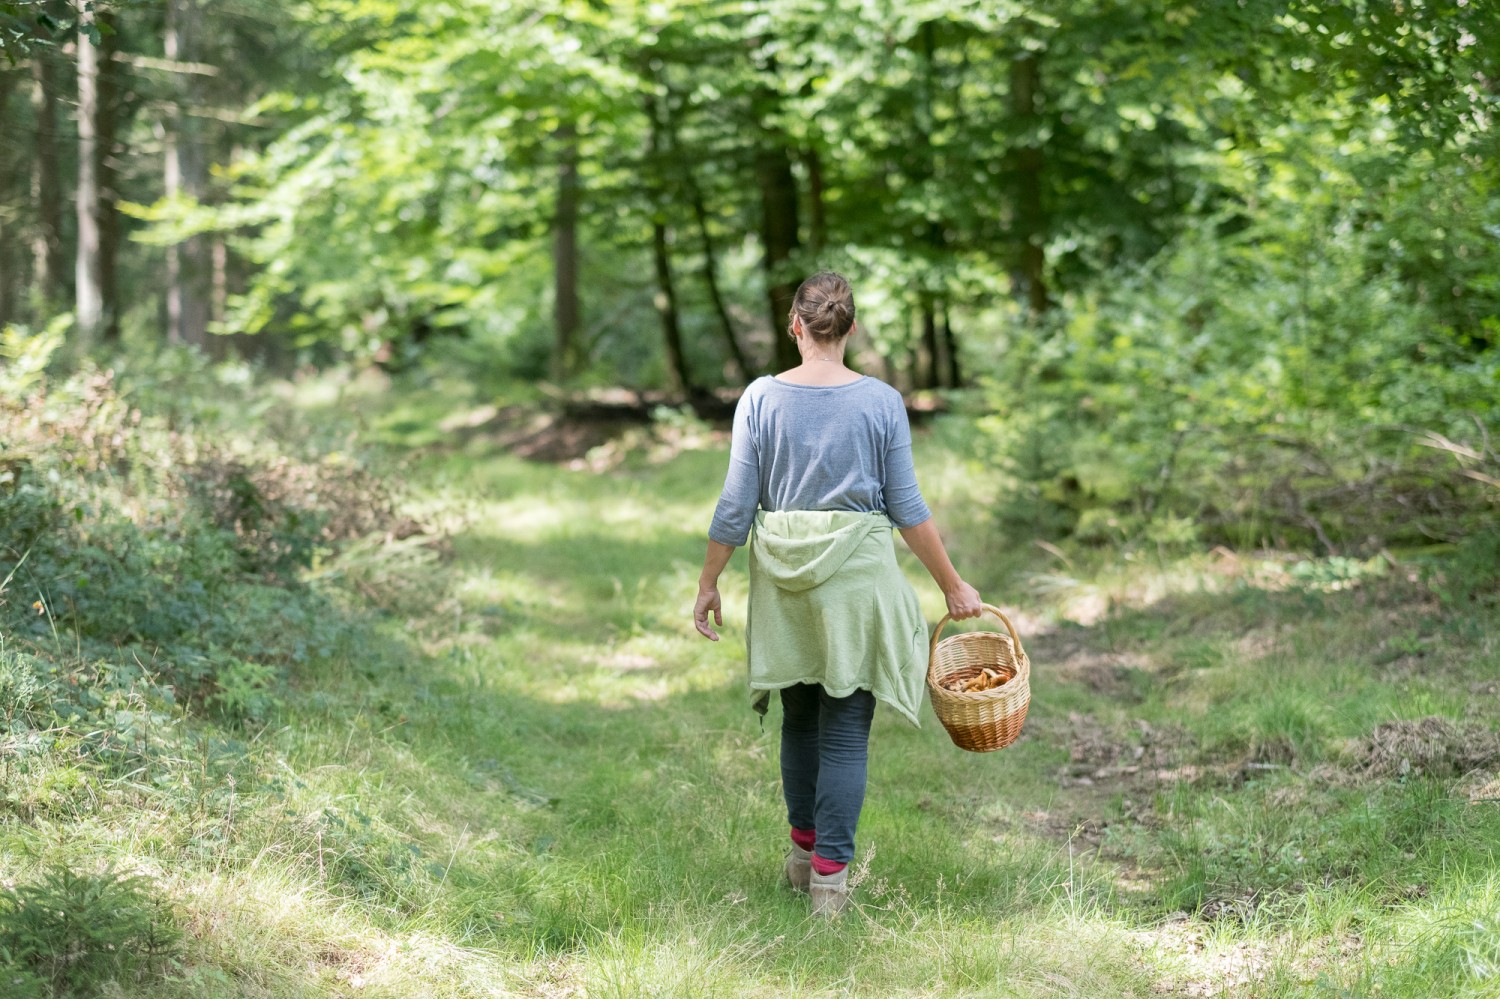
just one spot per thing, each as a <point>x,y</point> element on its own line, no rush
<point>820,464</point>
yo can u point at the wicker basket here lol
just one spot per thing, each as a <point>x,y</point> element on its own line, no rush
<point>986,720</point>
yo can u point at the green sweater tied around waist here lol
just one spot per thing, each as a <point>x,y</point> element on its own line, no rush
<point>829,605</point>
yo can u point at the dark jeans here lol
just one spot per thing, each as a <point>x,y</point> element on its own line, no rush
<point>824,747</point>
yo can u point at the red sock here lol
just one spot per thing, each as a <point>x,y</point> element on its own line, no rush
<point>826,867</point>
<point>804,838</point>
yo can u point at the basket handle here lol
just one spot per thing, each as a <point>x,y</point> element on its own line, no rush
<point>938,631</point>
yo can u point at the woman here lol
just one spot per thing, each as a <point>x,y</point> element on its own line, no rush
<point>825,455</point>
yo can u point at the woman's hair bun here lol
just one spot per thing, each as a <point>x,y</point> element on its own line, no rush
<point>825,304</point>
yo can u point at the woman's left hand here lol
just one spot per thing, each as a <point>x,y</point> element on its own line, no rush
<point>708,600</point>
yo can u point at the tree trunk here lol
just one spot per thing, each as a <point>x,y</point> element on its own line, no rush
<point>950,344</point>
<point>934,233</point>
<point>680,380</point>
<point>107,119</point>
<point>912,325</point>
<point>678,377</point>
<point>706,245</point>
<point>1030,214</point>
<point>14,194</point>
<point>88,277</point>
<point>219,303</point>
<point>8,270</point>
<point>933,371</point>
<point>566,311</point>
<point>188,264</point>
<point>47,274</point>
<point>818,233</point>
<point>10,240</point>
<point>711,280</point>
<point>778,203</point>
<point>7,87</point>
<point>705,242</point>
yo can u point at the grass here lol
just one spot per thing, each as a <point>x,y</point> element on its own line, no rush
<point>528,776</point>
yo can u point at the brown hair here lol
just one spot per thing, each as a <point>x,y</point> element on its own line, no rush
<point>825,304</point>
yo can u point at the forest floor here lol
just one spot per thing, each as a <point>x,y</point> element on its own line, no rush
<point>1241,775</point>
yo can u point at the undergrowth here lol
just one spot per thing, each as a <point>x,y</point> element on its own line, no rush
<point>154,618</point>
<point>263,732</point>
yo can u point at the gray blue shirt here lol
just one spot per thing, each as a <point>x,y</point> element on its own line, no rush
<point>818,447</point>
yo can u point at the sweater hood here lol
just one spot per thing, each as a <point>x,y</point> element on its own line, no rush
<point>801,549</point>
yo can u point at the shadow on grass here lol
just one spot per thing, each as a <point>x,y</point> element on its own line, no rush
<point>639,795</point>
<point>631,794</point>
<point>691,765</point>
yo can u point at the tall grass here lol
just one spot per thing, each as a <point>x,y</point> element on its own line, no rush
<point>519,772</point>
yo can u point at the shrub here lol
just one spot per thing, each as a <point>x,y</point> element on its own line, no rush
<point>79,930</point>
<point>153,557</point>
<point>1236,392</point>
<point>246,691</point>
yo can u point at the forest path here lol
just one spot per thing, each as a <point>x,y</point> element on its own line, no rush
<point>630,807</point>
<point>614,752</point>
<point>618,748</point>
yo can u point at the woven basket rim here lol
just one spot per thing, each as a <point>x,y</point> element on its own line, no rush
<point>996,611</point>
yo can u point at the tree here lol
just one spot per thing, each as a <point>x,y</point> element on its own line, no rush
<point>566,309</point>
<point>978,167</point>
<point>47,276</point>
<point>189,267</point>
<point>89,278</point>
<point>109,105</point>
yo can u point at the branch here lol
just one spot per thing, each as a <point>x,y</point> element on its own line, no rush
<point>138,61</point>
<point>1439,442</point>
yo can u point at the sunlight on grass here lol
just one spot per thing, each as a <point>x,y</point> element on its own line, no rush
<point>622,517</point>
<point>532,777</point>
<point>267,931</point>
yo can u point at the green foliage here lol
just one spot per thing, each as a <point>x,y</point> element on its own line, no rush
<point>246,690</point>
<point>81,930</point>
<point>368,858</point>
<point>926,164</point>
<point>1470,577</point>
<point>1336,572</point>
<point>26,25</point>
<point>26,355</point>
<point>20,686</point>
<point>151,568</point>
<point>1279,385</point>
<point>1214,270</point>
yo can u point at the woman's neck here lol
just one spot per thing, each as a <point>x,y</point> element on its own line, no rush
<point>822,363</point>
<point>816,372</point>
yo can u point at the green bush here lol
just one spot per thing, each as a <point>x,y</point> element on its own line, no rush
<point>1472,575</point>
<point>1272,382</point>
<point>369,859</point>
<point>246,691</point>
<point>153,557</point>
<point>17,982</point>
<point>124,527</point>
<point>77,931</point>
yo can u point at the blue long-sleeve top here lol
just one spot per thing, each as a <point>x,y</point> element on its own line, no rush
<point>818,447</point>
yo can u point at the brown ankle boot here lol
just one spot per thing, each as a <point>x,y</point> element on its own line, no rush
<point>799,868</point>
<point>830,893</point>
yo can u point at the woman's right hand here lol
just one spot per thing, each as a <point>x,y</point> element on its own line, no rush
<point>708,603</point>
<point>963,601</point>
